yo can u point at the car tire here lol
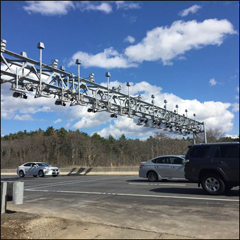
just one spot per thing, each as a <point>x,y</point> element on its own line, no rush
<point>35,175</point>
<point>152,176</point>
<point>41,173</point>
<point>54,175</point>
<point>21,174</point>
<point>213,184</point>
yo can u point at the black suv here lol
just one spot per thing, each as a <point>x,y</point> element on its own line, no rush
<point>214,165</point>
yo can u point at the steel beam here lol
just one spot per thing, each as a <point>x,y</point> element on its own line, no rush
<point>26,75</point>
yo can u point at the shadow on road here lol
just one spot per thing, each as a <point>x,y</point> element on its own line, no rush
<point>72,172</point>
<point>194,191</point>
<point>75,172</point>
<point>88,171</point>
<point>161,181</point>
<point>10,178</point>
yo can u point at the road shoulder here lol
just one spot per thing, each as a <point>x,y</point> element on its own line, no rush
<point>23,225</point>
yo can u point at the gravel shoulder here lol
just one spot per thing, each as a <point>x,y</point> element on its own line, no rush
<point>22,225</point>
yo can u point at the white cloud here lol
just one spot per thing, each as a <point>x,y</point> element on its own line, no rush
<point>235,107</point>
<point>192,9</point>
<point>231,136</point>
<point>109,58</point>
<point>131,18</point>
<point>88,6</point>
<point>25,117</point>
<point>161,43</point>
<point>88,120</point>
<point>127,5</point>
<point>165,43</point>
<point>33,110</point>
<point>129,39</point>
<point>49,7</point>
<point>67,125</point>
<point>182,58</point>
<point>212,82</point>
<point>57,121</point>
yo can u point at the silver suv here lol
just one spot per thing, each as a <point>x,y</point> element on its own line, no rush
<point>37,169</point>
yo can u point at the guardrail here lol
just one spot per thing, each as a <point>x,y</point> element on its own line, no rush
<point>11,191</point>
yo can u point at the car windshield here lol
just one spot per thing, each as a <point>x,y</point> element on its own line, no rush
<point>43,165</point>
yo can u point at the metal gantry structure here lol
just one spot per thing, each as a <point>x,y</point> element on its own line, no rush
<point>25,75</point>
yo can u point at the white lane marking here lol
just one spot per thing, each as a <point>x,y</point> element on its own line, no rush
<point>47,184</point>
<point>138,195</point>
<point>66,183</point>
<point>159,184</point>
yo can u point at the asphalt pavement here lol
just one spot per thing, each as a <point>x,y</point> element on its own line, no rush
<point>172,207</point>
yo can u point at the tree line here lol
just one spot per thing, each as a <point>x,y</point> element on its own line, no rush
<point>75,148</point>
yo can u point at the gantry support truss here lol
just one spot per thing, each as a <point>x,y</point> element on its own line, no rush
<point>25,74</point>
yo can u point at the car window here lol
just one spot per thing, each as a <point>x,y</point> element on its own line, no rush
<point>199,151</point>
<point>43,164</point>
<point>176,160</point>
<point>27,165</point>
<point>227,152</point>
<point>163,160</point>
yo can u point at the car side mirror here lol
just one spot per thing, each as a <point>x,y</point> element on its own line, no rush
<point>186,161</point>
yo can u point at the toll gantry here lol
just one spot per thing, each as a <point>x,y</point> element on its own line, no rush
<point>47,80</point>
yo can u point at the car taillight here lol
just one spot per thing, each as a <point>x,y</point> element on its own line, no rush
<point>141,165</point>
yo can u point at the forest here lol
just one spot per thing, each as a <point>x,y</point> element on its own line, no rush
<point>64,148</point>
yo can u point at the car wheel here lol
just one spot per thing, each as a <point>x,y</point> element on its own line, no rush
<point>54,175</point>
<point>213,184</point>
<point>152,176</point>
<point>41,173</point>
<point>21,173</point>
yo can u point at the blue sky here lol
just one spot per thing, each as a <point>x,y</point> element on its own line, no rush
<point>185,52</point>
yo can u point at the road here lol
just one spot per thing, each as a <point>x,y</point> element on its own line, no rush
<point>173,207</point>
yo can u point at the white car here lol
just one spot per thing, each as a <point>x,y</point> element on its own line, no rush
<point>37,169</point>
<point>163,168</point>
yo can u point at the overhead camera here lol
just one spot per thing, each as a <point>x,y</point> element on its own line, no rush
<point>114,115</point>
<point>140,121</point>
<point>92,110</point>
<point>19,95</point>
<point>60,102</point>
